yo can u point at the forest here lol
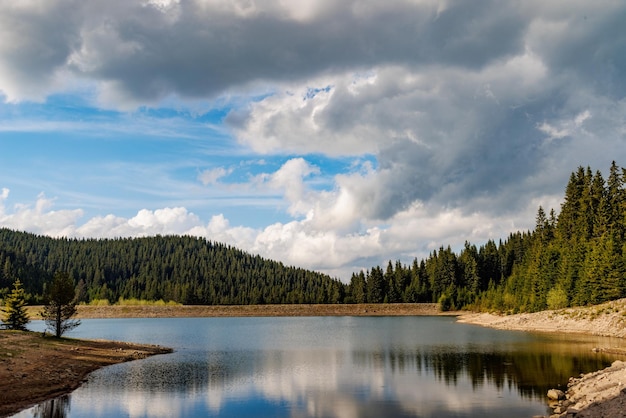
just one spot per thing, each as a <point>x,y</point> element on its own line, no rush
<point>183,269</point>
<point>575,258</point>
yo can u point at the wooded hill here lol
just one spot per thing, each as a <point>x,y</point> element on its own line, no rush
<point>575,258</point>
<point>184,269</point>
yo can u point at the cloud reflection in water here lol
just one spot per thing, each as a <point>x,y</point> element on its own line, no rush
<point>338,367</point>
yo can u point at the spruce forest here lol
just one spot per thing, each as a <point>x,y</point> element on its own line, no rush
<point>183,269</point>
<point>577,257</point>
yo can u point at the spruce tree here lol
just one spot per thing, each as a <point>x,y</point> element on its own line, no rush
<point>15,316</point>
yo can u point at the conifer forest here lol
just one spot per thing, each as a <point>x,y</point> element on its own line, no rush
<point>572,258</point>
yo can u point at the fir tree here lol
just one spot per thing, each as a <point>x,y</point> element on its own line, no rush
<point>15,316</point>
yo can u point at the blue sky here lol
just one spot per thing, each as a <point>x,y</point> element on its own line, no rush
<point>328,135</point>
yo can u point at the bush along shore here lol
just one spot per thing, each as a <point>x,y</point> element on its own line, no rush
<point>597,394</point>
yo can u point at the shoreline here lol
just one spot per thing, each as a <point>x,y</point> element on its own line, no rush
<point>596,394</point>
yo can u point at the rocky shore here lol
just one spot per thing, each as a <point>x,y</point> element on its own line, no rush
<point>601,394</point>
<point>597,394</point>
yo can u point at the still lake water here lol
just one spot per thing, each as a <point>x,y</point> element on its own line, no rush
<point>344,367</point>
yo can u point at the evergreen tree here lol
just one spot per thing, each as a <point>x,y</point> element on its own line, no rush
<point>615,207</point>
<point>15,316</point>
<point>376,289</point>
<point>61,305</point>
<point>358,288</point>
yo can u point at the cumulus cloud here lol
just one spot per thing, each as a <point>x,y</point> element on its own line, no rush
<point>459,132</point>
<point>38,218</point>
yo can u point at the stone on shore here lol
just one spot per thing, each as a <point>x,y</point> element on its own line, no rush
<point>556,394</point>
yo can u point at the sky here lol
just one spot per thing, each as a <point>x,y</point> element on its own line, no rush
<point>329,135</point>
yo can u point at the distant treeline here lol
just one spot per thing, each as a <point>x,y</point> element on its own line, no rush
<point>575,258</point>
<point>183,269</point>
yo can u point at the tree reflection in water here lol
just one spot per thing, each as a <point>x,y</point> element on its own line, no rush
<point>53,408</point>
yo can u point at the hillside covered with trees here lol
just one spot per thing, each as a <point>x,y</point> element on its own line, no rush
<point>573,259</point>
<point>183,269</point>
<point>577,257</point>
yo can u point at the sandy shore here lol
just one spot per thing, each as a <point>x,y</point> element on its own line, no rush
<point>34,368</point>
<point>597,394</point>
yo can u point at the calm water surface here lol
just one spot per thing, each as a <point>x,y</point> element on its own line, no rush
<point>348,367</point>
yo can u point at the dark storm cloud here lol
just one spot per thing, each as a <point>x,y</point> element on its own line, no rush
<point>194,50</point>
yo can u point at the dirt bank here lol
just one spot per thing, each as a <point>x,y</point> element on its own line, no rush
<point>597,394</point>
<point>34,368</point>
<point>185,311</point>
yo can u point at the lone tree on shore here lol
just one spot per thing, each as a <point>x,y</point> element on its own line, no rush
<point>15,316</point>
<point>60,305</point>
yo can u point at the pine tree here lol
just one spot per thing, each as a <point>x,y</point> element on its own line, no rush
<point>61,305</point>
<point>15,316</point>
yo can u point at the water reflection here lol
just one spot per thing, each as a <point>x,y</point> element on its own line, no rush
<point>53,408</point>
<point>342,367</point>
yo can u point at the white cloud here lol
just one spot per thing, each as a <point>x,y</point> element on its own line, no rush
<point>39,218</point>
<point>565,128</point>
<point>212,176</point>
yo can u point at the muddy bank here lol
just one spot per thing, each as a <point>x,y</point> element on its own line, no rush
<point>35,368</point>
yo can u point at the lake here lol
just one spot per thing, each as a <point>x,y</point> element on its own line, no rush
<point>348,367</point>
